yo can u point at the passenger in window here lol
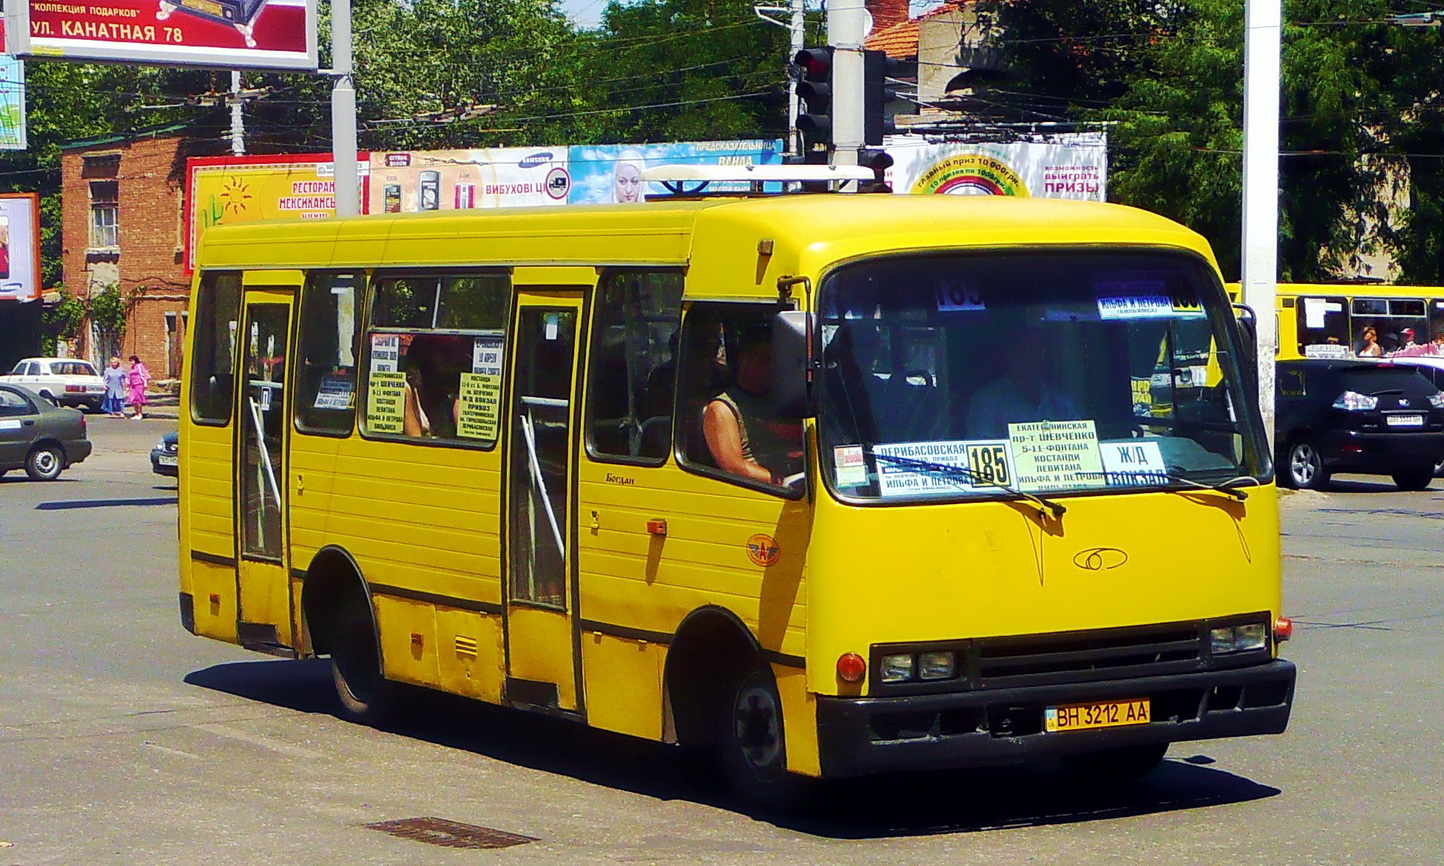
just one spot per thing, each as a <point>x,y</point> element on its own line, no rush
<point>414,420</point>
<point>1371,347</point>
<point>1022,394</point>
<point>743,433</point>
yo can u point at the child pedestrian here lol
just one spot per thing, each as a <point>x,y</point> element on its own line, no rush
<point>115,387</point>
<point>138,379</point>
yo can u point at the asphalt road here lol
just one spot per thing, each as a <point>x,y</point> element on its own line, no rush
<point>124,740</point>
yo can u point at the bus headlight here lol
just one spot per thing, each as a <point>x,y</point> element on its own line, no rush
<point>1237,638</point>
<point>897,668</point>
<point>937,666</point>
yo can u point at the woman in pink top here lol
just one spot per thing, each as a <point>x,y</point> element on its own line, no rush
<point>138,379</point>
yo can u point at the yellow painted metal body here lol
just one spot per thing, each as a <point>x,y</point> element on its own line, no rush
<point>1289,298</point>
<point>426,525</point>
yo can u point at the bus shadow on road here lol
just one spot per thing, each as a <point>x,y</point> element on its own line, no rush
<point>895,805</point>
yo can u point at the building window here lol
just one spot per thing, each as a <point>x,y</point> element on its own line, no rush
<point>104,213</point>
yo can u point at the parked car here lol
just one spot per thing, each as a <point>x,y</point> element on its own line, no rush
<point>164,459</point>
<point>1357,416</point>
<point>40,438</point>
<point>1433,367</point>
<point>62,381</point>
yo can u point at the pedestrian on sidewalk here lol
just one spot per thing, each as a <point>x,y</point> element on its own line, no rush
<point>139,378</point>
<point>116,382</point>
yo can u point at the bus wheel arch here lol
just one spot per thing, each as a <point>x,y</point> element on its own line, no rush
<point>331,576</point>
<point>341,622</point>
<point>709,647</point>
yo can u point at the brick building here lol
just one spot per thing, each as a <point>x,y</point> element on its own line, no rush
<point>122,225</point>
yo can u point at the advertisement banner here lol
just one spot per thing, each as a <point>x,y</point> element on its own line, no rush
<point>612,173</point>
<point>226,190</point>
<point>412,181</point>
<point>225,34</point>
<point>12,104</point>
<point>1072,167</point>
<point>19,246</point>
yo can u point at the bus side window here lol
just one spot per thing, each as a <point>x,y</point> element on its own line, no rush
<point>433,356</point>
<point>634,365</point>
<point>728,423</point>
<point>330,340</point>
<point>213,379</point>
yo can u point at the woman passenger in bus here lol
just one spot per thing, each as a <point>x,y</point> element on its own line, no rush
<point>1371,347</point>
<point>743,433</point>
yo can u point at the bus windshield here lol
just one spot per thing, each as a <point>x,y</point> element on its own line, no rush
<point>964,376</point>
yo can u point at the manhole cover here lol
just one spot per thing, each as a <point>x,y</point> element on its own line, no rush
<point>449,834</point>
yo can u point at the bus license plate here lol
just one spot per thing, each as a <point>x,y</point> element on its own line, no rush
<point>1101,714</point>
<point>1404,420</point>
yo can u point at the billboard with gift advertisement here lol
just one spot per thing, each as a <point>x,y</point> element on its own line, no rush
<point>223,34</point>
<point>1072,166</point>
<point>12,104</point>
<point>409,181</point>
<point>612,173</point>
<point>225,190</point>
<point>19,246</point>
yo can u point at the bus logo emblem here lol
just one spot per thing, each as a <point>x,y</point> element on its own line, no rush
<point>1099,558</point>
<point>763,550</point>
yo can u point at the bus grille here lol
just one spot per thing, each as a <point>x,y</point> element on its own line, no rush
<point>1009,662</point>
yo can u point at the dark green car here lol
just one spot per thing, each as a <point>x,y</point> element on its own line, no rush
<point>40,438</point>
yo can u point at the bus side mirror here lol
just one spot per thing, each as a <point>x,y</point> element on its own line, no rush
<point>1248,333</point>
<point>792,365</point>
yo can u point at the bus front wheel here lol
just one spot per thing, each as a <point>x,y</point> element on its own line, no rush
<point>753,752</point>
<point>356,665</point>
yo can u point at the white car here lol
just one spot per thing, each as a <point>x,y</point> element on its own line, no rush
<point>62,381</point>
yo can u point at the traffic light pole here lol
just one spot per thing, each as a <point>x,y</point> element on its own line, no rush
<point>846,29</point>
<point>1262,49</point>
<point>343,111</point>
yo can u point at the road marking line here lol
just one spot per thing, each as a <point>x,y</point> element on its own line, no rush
<point>261,741</point>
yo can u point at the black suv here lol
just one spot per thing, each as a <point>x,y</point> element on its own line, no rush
<point>1357,416</point>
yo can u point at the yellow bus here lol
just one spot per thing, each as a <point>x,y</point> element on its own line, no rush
<point>1357,319</point>
<point>838,484</point>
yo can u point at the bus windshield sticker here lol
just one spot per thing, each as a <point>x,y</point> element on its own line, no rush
<point>336,392</point>
<point>479,399</point>
<point>1056,455</point>
<point>1135,307</point>
<point>385,352</point>
<point>923,468</point>
<point>1314,311</point>
<point>957,296</point>
<point>851,467</point>
<point>386,402</point>
<point>1133,463</point>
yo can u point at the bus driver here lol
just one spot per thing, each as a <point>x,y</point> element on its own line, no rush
<point>743,433</point>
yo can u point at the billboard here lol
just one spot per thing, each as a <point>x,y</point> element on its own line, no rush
<point>416,180</point>
<point>19,246</point>
<point>613,173</point>
<point>1072,167</point>
<point>225,34</point>
<point>12,104</point>
<point>225,190</point>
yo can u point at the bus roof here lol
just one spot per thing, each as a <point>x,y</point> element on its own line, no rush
<point>720,238</point>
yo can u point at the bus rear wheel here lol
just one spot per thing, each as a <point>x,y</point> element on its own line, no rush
<point>753,751</point>
<point>366,695</point>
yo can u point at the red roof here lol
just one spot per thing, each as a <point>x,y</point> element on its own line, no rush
<point>900,41</point>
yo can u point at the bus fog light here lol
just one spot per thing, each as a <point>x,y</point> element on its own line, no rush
<point>1250,637</point>
<point>1220,640</point>
<point>897,668</point>
<point>936,666</point>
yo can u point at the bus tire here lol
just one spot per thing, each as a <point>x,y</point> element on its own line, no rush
<point>1117,766</point>
<point>752,750</point>
<point>366,696</point>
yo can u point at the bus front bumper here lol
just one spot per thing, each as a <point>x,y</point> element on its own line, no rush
<point>858,736</point>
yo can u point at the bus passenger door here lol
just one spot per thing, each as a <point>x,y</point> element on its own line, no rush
<point>262,580</point>
<point>540,479</point>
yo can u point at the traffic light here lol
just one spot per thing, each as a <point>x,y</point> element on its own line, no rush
<point>880,86</point>
<point>814,92</point>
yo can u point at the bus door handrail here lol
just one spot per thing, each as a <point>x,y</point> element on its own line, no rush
<point>535,465</point>
<point>265,452</point>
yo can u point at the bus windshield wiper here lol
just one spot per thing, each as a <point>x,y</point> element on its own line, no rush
<point>1045,506</point>
<point>1226,487</point>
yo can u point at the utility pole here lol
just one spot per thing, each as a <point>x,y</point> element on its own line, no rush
<point>1262,51</point>
<point>238,120</point>
<point>343,110</point>
<point>847,25</point>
